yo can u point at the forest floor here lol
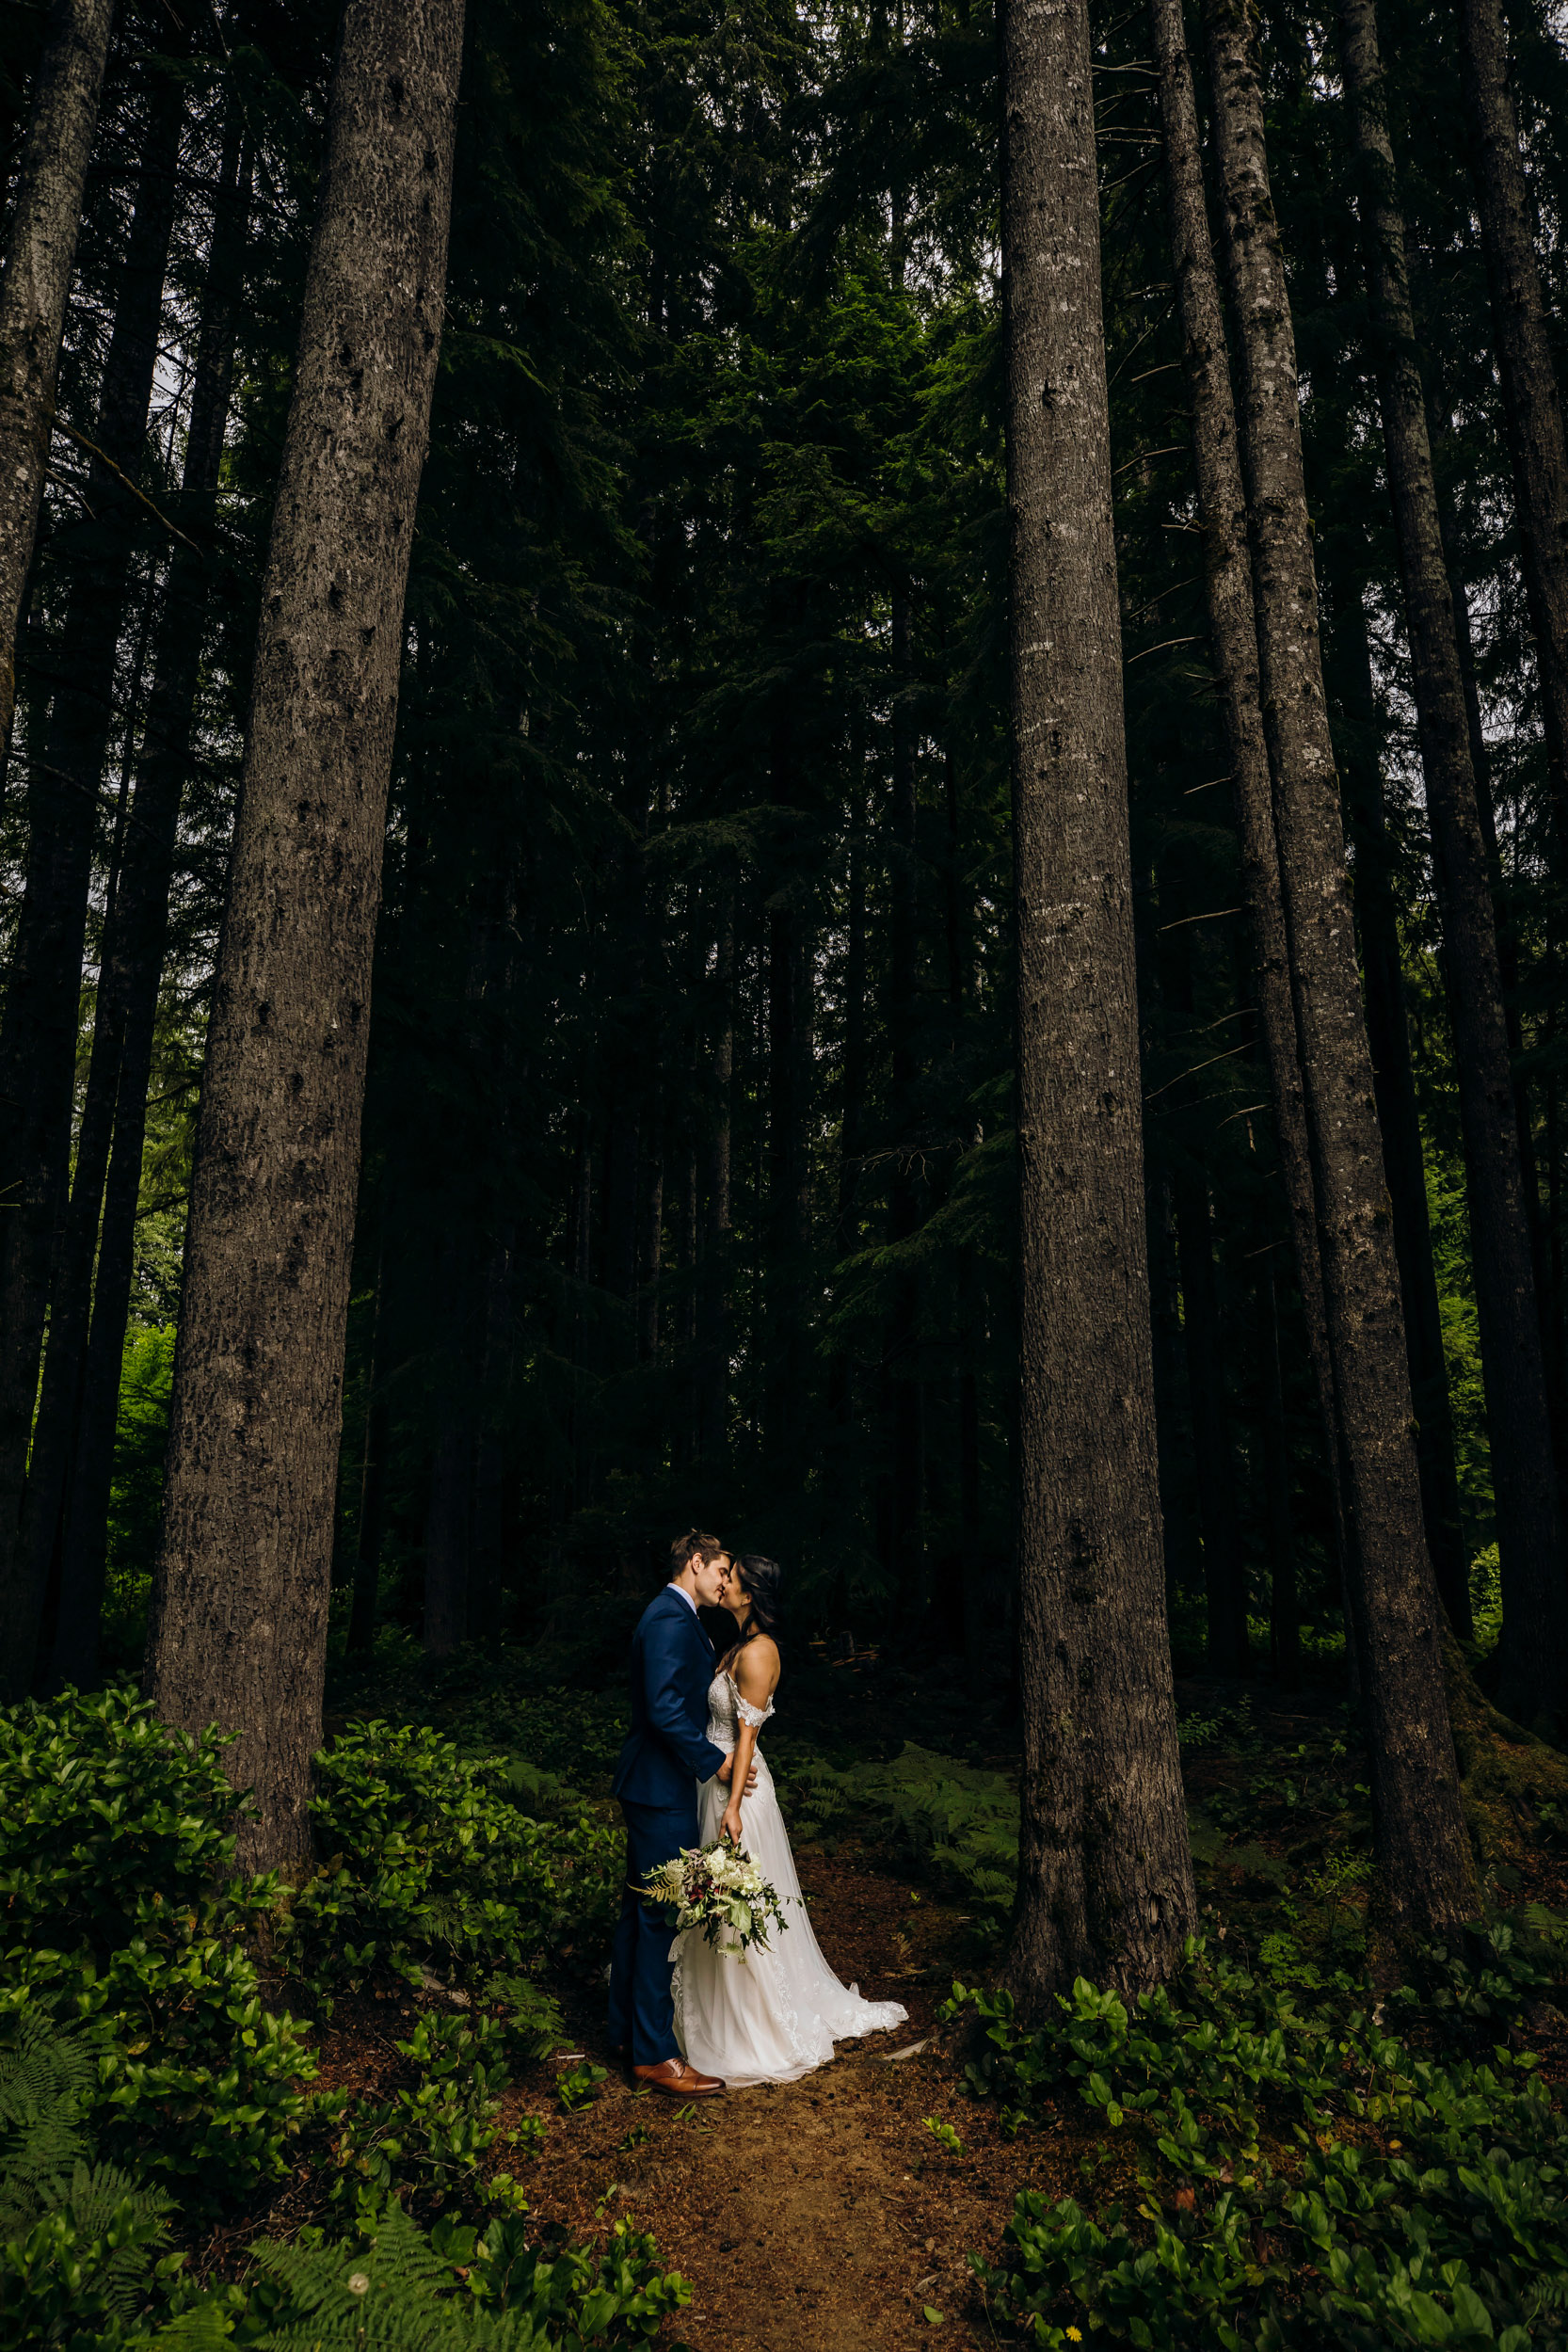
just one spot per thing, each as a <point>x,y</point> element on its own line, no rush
<point>821,2212</point>
<point>825,2215</point>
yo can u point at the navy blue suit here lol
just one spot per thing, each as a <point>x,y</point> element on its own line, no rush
<point>666,1752</point>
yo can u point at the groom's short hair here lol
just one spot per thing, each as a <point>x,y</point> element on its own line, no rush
<point>693,1545</point>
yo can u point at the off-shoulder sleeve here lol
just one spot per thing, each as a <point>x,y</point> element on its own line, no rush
<point>756,1717</point>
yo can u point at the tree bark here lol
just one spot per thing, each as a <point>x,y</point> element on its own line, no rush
<point>238,1624</point>
<point>1348,653</point>
<point>1531,399</point>
<point>373,1475</point>
<point>906,1493</point>
<point>1105,1882</point>
<point>40,251</point>
<point>1178,1501</point>
<point>1225,1581</point>
<point>1233,642</point>
<point>69,1483</point>
<point>39,1037</point>
<point>1285,1633</point>
<point>448,1530</point>
<point>715,1323</point>
<point>1533,1652</point>
<point>1425,1870</point>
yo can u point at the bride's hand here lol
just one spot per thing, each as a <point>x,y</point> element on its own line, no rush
<point>731,1826</point>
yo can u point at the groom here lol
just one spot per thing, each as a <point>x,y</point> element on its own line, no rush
<point>666,1752</point>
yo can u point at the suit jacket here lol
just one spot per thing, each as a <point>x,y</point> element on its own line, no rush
<point>668,1750</point>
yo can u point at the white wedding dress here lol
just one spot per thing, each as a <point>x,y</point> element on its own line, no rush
<point>776,2014</point>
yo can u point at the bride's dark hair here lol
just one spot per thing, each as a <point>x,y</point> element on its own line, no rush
<point>761,1579</point>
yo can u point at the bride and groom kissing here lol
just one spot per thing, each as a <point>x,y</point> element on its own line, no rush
<point>690,2022</point>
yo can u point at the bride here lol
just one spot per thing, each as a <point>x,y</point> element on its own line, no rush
<point>777,2014</point>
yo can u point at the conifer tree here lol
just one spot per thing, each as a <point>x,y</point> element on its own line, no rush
<point>40,250</point>
<point>1427,1874</point>
<point>1105,1882</point>
<point>239,1604</point>
<point>1534,1653</point>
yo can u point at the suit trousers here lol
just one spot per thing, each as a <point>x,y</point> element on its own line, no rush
<point>642,2007</point>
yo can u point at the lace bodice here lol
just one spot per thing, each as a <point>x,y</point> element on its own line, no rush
<point>727,1711</point>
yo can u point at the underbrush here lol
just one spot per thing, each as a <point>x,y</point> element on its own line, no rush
<point>160,2022</point>
<point>1305,2175</point>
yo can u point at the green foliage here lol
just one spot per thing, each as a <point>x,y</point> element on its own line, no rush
<point>433,1863</point>
<point>954,1821</point>
<point>130,2018</point>
<point>117,1857</point>
<point>579,2087</point>
<point>1302,2176</point>
<point>135,1497</point>
<point>78,2240</point>
<point>431,2134</point>
<point>454,2288</point>
<point>1486,1597</point>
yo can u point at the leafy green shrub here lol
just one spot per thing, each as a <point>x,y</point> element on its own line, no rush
<point>1304,2178</point>
<point>455,2289</point>
<point>79,2241</point>
<point>954,1821</point>
<point>123,1913</point>
<point>429,2136</point>
<point>433,1863</point>
<point>1483,1978</point>
<point>1486,1598</point>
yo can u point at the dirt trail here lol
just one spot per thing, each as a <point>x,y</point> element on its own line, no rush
<point>820,2215</point>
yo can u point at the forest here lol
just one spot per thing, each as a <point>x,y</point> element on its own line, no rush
<point>803,772</point>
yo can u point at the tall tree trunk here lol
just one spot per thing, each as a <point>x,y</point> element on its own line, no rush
<point>1533,1653</point>
<point>650,1243</point>
<point>1105,1881</point>
<point>1177,1499</point>
<point>906,1517</point>
<point>1426,1869</point>
<point>68,1487</point>
<point>975,1610</point>
<point>714,1308</point>
<point>38,1038</point>
<point>448,1536</point>
<point>1285,1633</point>
<point>1349,654</point>
<point>373,1473</point>
<point>488,1528</point>
<point>1531,398</point>
<point>238,1626</point>
<point>1233,642</point>
<point>1223,1575</point>
<point>40,251</point>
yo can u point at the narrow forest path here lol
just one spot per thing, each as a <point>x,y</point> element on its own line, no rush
<point>820,2215</point>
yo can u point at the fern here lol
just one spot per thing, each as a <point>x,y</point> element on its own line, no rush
<point>77,2239</point>
<point>46,2081</point>
<point>407,2292</point>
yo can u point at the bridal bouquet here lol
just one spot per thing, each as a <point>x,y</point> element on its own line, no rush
<point>719,1888</point>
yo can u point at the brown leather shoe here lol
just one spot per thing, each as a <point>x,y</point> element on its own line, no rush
<point>677,2080</point>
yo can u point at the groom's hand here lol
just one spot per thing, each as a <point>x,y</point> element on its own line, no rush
<point>726,1768</point>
